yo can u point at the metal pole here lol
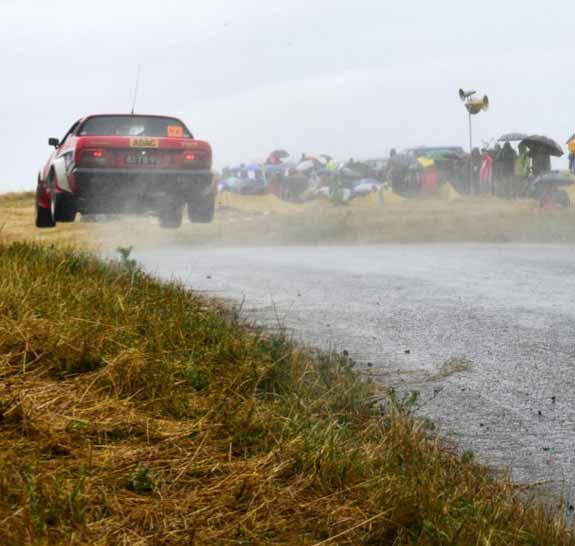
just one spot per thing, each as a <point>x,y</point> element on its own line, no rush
<point>470,154</point>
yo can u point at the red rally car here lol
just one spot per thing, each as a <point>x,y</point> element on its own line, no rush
<point>126,163</point>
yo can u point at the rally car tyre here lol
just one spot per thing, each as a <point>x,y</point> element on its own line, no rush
<point>201,210</point>
<point>171,216</point>
<point>65,208</point>
<point>44,216</point>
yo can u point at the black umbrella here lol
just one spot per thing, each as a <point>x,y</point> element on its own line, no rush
<point>540,141</point>
<point>280,154</point>
<point>513,137</point>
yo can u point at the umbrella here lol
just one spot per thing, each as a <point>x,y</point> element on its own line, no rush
<point>552,180</point>
<point>366,185</point>
<point>280,154</point>
<point>318,161</point>
<point>540,141</point>
<point>306,165</point>
<point>513,137</point>
<point>350,173</point>
<point>327,157</point>
<point>558,178</point>
<point>230,182</point>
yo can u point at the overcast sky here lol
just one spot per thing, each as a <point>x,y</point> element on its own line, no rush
<point>322,76</point>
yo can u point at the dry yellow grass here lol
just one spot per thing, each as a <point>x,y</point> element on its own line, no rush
<point>259,221</point>
<point>17,223</point>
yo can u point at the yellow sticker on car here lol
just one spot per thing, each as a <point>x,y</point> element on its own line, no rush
<point>144,142</point>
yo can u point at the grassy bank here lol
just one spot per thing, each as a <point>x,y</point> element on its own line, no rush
<point>135,412</point>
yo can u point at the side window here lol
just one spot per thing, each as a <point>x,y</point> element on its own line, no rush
<point>70,132</point>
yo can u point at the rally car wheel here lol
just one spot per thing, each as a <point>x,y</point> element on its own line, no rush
<point>201,210</point>
<point>65,208</point>
<point>44,216</point>
<point>171,216</point>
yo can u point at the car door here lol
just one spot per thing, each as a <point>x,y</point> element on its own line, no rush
<point>61,162</point>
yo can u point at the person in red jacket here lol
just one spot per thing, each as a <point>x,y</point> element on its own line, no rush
<point>486,174</point>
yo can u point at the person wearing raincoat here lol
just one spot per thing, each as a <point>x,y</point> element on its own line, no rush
<point>522,166</point>
<point>505,169</point>
<point>572,156</point>
<point>522,170</point>
<point>541,161</point>
<point>486,174</point>
<point>507,157</point>
<point>476,161</point>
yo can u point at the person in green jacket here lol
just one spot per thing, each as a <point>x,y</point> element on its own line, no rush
<point>522,171</point>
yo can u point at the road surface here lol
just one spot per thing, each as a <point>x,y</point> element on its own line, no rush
<point>485,333</point>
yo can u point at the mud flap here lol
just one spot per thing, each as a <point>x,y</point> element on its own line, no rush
<point>43,198</point>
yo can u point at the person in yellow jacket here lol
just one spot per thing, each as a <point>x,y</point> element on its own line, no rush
<point>572,156</point>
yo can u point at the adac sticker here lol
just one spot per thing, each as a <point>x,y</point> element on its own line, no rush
<point>175,131</point>
<point>144,142</point>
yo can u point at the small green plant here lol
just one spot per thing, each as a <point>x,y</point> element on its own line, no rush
<point>405,405</point>
<point>50,504</point>
<point>141,481</point>
<point>198,378</point>
<point>468,456</point>
<point>79,425</point>
<point>125,252</point>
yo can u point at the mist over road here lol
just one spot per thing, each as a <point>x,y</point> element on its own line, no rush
<point>506,313</point>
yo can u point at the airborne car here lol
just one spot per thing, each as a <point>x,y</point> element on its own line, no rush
<point>118,164</point>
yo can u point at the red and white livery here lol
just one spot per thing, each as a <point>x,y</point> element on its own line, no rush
<point>125,163</point>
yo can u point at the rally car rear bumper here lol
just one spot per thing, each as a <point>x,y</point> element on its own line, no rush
<point>109,191</point>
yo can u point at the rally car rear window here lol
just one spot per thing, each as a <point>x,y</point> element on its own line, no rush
<point>134,126</point>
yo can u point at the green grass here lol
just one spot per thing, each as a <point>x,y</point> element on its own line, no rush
<point>136,412</point>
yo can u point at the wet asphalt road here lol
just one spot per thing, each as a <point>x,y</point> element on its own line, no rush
<point>505,313</point>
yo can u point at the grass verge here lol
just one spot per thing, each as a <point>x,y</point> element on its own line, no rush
<point>135,412</point>
<point>412,221</point>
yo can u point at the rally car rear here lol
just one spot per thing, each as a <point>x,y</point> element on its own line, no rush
<point>130,165</point>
